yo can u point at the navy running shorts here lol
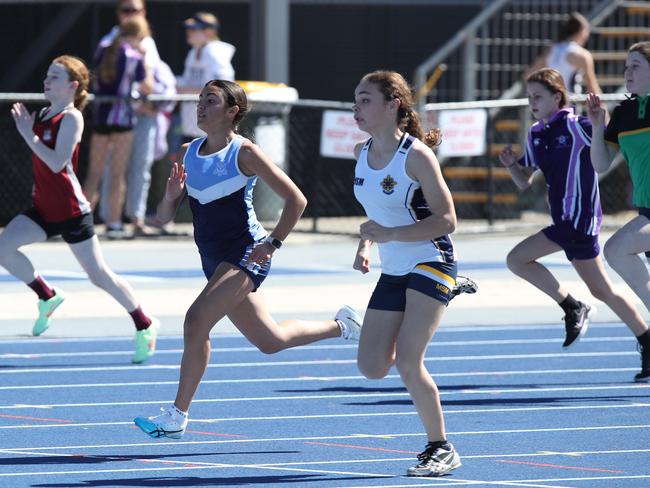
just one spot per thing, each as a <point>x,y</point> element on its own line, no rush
<point>575,245</point>
<point>236,256</point>
<point>74,230</point>
<point>433,279</point>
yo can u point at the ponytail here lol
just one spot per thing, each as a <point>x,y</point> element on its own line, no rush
<point>107,68</point>
<point>81,99</point>
<point>410,122</point>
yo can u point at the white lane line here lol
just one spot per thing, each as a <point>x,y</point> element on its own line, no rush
<point>326,379</point>
<point>223,350</point>
<point>354,437</point>
<point>200,465</point>
<point>352,415</point>
<point>464,456</point>
<point>590,478</point>
<point>195,465</point>
<point>552,408</point>
<point>457,482</point>
<point>398,459</point>
<point>490,392</point>
<point>441,330</point>
<point>204,465</point>
<point>329,362</point>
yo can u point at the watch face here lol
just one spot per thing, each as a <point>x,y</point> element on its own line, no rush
<point>276,243</point>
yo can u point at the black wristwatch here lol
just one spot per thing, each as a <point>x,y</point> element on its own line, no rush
<point>276,243</point>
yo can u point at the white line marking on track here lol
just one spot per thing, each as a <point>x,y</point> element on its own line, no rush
<point>285,467</point>
<point>301,379</point>
<point>470,391</point>
<point>329,362</point>
<point>223,350</point>
<point>352,415</point>
<point>441,330</point>
<point>354,437</point>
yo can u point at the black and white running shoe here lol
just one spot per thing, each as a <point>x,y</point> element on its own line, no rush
<point>435,461</point>
<point>463,285</point>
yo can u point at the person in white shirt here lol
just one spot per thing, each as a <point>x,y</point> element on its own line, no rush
<point>569,56</point>
<point>208,59</point>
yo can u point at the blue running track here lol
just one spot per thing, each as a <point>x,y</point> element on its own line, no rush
<point>521,412</point>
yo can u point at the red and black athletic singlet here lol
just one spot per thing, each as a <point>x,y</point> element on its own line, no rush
<point>57,196</point>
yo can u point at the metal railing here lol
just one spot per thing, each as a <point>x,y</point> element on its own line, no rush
<point>479,186</point>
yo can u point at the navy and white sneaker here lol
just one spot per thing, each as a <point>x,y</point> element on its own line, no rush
<point>435,461</point>
<point>350,323</point>
<point>576,323</point>
<point>170,424</point>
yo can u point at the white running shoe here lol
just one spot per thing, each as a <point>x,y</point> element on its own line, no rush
<point>167,424</point>
<point>435,461</point>
<point>350,322</point>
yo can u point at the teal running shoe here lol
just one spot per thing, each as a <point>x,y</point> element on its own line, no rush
<point>167,424</point>
<point>45,310</point>
<point>145,342</point>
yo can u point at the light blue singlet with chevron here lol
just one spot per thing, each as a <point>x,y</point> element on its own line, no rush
<point>221,199</point>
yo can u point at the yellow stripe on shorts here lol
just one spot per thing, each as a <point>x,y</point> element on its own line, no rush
<point>446,278</point>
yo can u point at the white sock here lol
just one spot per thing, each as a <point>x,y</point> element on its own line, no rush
<point>178,415</point>
<point>343,327</point>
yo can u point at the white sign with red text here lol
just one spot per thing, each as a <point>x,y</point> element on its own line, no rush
<point>463,132</point>
<point>339,134</point>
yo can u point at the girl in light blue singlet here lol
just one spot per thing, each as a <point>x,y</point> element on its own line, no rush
<point>218,173</point>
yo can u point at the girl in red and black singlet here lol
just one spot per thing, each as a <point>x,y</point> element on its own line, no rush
<point>59,205</point>
<point>57,196</point>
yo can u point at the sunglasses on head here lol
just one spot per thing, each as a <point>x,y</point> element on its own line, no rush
<point>130,10</point>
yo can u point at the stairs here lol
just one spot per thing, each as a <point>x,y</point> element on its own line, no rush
<point>480,182</point>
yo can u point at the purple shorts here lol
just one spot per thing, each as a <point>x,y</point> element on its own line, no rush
<point>575,245</point>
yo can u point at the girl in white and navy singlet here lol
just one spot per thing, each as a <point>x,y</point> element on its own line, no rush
<point>399,183</point>
<point>218,173</point>
<point>392,199</point>
<point>59,205</point>
<point>558,145</point>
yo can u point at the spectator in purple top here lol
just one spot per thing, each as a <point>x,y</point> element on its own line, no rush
<point>558,145</point>
<point>118,66</point>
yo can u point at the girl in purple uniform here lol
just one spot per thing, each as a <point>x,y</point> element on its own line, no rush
<point>558,144</point>
<point>119,65</point>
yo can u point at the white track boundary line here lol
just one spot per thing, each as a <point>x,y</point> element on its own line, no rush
<point>352,415</point>
<point>329,362</point>
<point>224,350</point>
<point>469,391</point>
<point>442,330</point>
<point>324,379</point>
<point>199,465</point>
<point>286,466</point>
<point>317,438</point>
<point>521,483</point>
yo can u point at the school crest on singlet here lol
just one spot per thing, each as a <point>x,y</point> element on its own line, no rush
<point>388,185</point>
